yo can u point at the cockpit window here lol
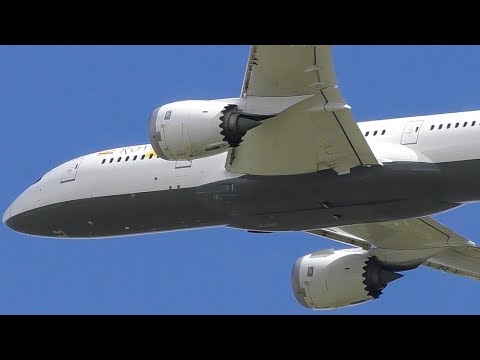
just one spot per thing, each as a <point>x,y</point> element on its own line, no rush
<point>38,180</point>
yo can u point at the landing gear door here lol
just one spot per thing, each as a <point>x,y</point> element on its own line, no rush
<point>411,131</point>
<point>70,172</point>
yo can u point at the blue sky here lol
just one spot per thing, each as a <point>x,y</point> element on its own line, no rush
<point>59,102</point>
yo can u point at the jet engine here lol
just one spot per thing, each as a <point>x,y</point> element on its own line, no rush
<point>193,129</point>
<point>331,279</point>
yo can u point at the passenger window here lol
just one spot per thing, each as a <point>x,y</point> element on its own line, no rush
<point>103,161</point>
<point>111,160</point>
<point>456,125</point>
<point>126,159</point>
<point>432,127</point>
<point>151,156</point>
<point>448,126</point>
<point>440,127</point>
<point>473,123</point>
<point>118,160</point>
<point>383,132</point>
<point>375,133</point>
<point>465,124</point>
<point>135,158</point>
<point>143,156</point>
<point>368,132</point>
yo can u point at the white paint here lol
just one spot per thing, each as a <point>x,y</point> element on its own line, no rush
<point>187,130</point>
<point>95,179</point>
<point>411,131</point>
<point>333,279</point>
<point>70,172</point>
<point>437,145</point>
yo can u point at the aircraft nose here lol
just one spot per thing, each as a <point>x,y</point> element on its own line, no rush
<point>24,217</point>
<point>27,222</point>
<point>21,216</point>
<point>7,215</point>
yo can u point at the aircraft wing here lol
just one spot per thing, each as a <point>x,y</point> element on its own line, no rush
<point>464,261</point>
<point>316,133</point>
<point>412,242</point>
<point>287,70</point>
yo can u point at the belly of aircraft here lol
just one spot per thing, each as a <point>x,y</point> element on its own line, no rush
<point>286,203</point>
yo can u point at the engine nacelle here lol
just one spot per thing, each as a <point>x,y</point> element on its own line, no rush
<point>331,279</point>
<point>193,129</point>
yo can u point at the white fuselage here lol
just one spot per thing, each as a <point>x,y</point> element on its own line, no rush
<point>136,169</point>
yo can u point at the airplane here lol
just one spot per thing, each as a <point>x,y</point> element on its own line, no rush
<point>287,155</point>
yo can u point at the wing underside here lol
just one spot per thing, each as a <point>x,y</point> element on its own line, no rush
<point>316,133</point>
<point>420,241</point>
<point>287,70</point>
<point>464,261</point>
